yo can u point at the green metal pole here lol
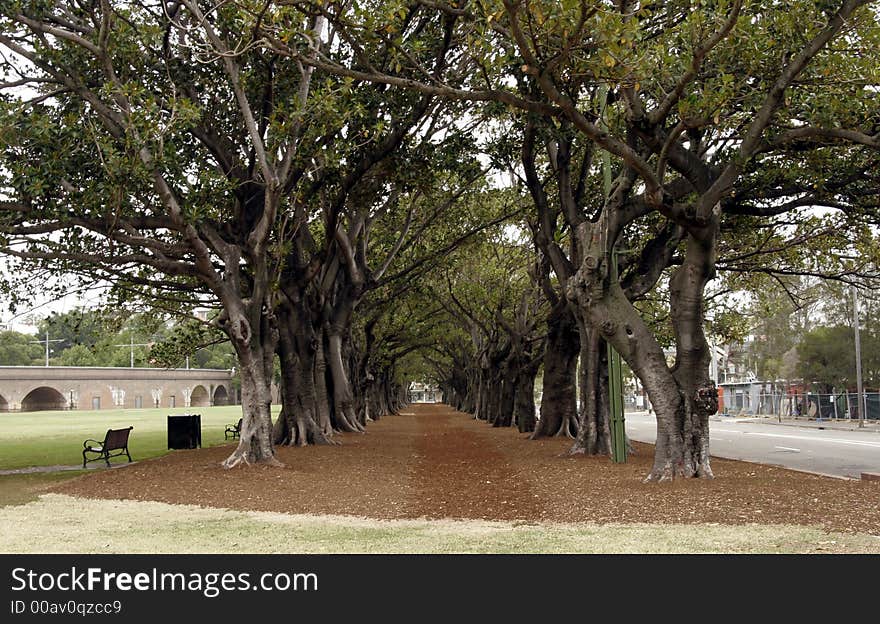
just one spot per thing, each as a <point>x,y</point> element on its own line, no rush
<point>615,392</point>
<point>615,370</point>
<point>618,423</point>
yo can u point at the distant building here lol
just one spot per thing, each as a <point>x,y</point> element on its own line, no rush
<point>740,397</point>
<point>420,392</point>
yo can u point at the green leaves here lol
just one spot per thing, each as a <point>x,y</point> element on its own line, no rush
<point>18,349</point>
<point>825,357</point>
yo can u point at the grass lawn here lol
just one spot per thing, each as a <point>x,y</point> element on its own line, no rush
<point>18,489</point>
<point>56,438</point>
<point>62,524</point>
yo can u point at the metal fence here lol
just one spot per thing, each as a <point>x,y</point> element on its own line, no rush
<point>839,406</point>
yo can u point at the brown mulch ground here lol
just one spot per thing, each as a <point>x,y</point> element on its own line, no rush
<point>437,463</point>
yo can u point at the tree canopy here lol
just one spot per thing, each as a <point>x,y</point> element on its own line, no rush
<point>826,358</point>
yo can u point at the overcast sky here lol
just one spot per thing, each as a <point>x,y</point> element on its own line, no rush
<point>26,317</point>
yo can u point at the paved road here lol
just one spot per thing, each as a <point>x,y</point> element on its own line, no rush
<point>832,452</point>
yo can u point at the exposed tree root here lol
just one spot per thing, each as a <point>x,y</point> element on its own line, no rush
<point>241,459</point>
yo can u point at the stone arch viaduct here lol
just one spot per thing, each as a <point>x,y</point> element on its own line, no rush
<point>32,388</point>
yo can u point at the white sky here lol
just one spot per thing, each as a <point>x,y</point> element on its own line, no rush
<point>27,316</point>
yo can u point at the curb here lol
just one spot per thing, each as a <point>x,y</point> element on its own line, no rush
<point>805,424</point>
<point>812,472</point>
<point>820,425</point>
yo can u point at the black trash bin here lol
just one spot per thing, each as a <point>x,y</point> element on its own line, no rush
<point>185,431</point>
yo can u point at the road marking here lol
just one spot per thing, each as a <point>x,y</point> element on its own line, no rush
<point>787,448</point>
<point>814,439</point>
<point>818,437</point>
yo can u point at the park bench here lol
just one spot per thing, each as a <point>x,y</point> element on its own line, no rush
<point>233,430</point>
<point>114,440</point>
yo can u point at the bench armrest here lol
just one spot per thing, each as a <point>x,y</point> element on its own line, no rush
<point>97,442</point>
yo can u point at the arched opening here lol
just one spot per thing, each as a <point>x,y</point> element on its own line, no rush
<point>4,406</point>
<point>43,398</point>
<point>199,397</point>
<point>221,397</point>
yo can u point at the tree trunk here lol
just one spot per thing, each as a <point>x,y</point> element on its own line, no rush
<point>494,395</point>
<point>619,323</point>
<point>470,392</point>
<point>254,350</point>
<point>559,414</point>
<point>322,396</point>
<point>691,370</point>
<point>359,381</point>
<point>506,396</point>
<point>484,404</point>
<point>343,397</point>
<point>298,423</point>
<point>525,400</point>
<point>594,432</point>
<point>255,441</point>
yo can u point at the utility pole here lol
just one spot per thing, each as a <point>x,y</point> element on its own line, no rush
<point>860,397</point>
<point>47,341</point>
<point>132,345</point>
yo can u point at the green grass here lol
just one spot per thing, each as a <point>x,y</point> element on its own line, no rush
<point>56,438</point>
<point>61,524</point>
<point>18,489</point>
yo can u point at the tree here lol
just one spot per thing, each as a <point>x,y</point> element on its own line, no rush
<point>827,358</point>
<point>142,169</point>
<point>17,349</point>
<point>269,210</point>
<point>359,204</point>
<point>197,343</point>
<point>78,327</point>
<point>101,337</point>
<point>489,358</point>
<point>691,104</point>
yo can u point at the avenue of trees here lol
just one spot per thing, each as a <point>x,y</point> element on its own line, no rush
<point>472,190</point>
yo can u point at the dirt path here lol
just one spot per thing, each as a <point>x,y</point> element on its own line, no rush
<point>462,472</point>
<point>436,463</point>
